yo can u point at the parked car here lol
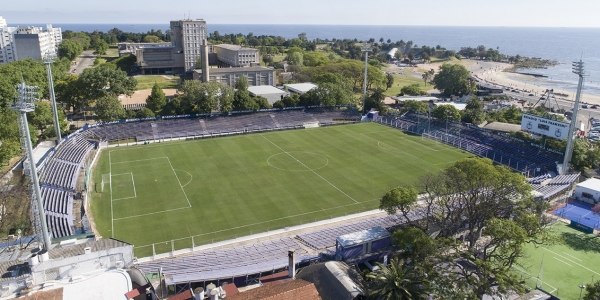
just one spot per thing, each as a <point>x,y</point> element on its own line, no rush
<point>594,106</point>
<point>584,106</point>
<point>531,95</point>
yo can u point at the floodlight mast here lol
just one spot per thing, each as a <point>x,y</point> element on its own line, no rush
<point>48,60</point>
<point>24,104</point>
<point>578,68</point>
<point>366,48</point>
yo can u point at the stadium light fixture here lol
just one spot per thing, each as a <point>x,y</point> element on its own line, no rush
<point>366,48</point>
<point>578,68</point>
<point>49,58</point>
<point>24,103</point>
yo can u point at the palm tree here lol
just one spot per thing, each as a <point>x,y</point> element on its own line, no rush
<point>397,281</point>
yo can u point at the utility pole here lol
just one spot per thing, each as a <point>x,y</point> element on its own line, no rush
<point>366,48</point>
<point>48,60</point>
<point>578,68</point>
<point>24,104</point>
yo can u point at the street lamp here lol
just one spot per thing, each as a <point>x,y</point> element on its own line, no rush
<point>366,48</point>
<point>24,104</point>
<point>48,60</point>
<point>581,288</point>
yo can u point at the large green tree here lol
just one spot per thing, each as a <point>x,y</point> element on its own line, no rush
<point>446,112</point>
<point>592,292</point>
<point>452,79</point>
<point>156,100</point>
<point>70,49</point>
<point>489,207</point>
<point>109,108</point>
<point>100,47</point>
<point>95,83</point>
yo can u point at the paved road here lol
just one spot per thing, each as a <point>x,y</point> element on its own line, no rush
<point>85,60</point>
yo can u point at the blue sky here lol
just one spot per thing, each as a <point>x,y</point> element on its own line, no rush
<point>536,13</point>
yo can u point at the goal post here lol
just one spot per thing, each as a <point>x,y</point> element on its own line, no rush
<point>105,181</point>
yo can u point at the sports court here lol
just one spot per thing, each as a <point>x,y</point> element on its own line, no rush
<point>561,268</point>
<point>579,212</point>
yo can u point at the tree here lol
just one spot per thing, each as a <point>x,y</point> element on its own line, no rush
<point>69,49</point>
<point>452,79</point>
<point>95,83</point>
<point>109,108</point>
<point>297,58</point>
<point>418,106</point>
<point>398,281</point>
<point>473,198</point>
<point>151,39</point>
<point>473,112</point>
<point>156,100</point>
<point>390,80</point>
<point>427,76</point>
<point>144,113</point>
<point>202,97</point>
<point>314,59</point>
<point>446,112</point>
<point>100,47</point>
<point>592,291</point>
<point>412,90</point>
<point>262,102</point>
<point>42,116</point>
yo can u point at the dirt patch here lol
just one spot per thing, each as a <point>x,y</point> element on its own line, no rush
<point>139,97</point>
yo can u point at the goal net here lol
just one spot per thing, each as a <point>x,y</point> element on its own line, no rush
<point>311,124</point>
<point>105,181</point>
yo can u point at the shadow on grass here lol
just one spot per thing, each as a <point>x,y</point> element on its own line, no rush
<point>582,242</point>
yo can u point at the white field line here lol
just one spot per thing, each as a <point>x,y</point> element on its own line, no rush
<point>112,218</point>
<point>124,198</point>
<point>409,140</point>
<point>562,261</point>
<point>191,177</point>
<point>571,261</point>
<point>572,256</point>
<point>154,213</point>
<point>130,161</point>
<point>133,183</point>
<point>398,150</point>
<point>262,222</point>
<point>121,174</point>
<point>531,276</point>
<point>186,197</point>
<point>309,169</point>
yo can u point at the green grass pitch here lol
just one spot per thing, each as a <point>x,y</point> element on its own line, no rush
<point>222,188</point>
<point>566,265</point>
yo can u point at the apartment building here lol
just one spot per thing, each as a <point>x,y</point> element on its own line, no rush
<point>27,42</point>
<point>188,37</point>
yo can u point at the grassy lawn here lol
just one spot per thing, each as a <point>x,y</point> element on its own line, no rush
<point>566,265</point>
<point>404,80</point>
<point>147,81</point>
<point>221,188</point>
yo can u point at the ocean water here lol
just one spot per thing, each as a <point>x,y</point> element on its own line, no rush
<point>562,44</point>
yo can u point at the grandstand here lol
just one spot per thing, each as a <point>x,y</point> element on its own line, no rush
<point>221,125</point>
<point>59,173</point>
<point>511,152</point>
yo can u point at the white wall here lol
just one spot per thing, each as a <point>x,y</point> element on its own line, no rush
<point>578,194</point>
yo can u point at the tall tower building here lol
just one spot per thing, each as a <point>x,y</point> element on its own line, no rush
<point>7,51</point>
<point>188,37</point>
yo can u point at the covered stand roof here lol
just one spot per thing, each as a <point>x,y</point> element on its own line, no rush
<point>363,236</point>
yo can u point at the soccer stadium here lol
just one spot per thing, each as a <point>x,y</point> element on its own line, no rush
<point>180,189</point>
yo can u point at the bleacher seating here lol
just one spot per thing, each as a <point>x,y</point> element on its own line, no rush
<point>229,262</point>
<point>502,149</point>
<point>214,125</point>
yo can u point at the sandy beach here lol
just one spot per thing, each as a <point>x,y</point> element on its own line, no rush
<point>495,73</point>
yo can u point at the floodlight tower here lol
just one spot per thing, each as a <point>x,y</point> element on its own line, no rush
<point>24,104</point>
<point>578,69</point>
<point>366,48</point>
<point>48,60</point>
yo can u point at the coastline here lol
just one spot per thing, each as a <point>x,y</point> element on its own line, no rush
<point>496,74</point>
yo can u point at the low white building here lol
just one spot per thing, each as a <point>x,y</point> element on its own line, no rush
<point>272,93</point>
<point>588,191</point>
<point>300,88</point>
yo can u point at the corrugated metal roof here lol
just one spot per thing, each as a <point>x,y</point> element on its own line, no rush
<point>264,90</point>
<point>363,236</point>
<point>61,251</point>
